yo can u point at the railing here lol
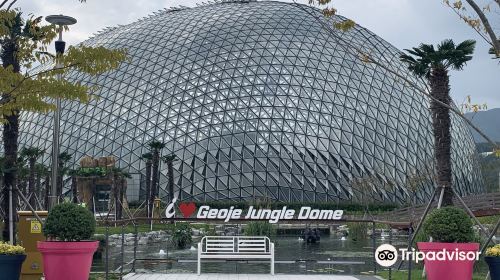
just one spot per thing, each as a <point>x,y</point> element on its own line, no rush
<point>130,266</point>
<point>487,204</point>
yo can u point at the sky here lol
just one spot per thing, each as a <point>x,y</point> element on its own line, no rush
<point>403,23</point>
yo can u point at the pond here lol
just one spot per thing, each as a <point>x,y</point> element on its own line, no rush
<point>287,248</point>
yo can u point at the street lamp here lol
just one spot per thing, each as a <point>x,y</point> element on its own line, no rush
<point>61,21</point>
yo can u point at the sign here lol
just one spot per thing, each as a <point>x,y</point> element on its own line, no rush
<point>35,227</point>
<point>272,215</point>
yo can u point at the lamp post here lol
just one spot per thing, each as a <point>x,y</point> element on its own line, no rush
<point>60,21</point>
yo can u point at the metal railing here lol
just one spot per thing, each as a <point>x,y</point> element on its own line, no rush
<point>125,268</point>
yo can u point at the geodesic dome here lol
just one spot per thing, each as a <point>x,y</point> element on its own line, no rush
<point>259,99</point>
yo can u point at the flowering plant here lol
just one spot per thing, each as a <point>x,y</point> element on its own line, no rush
<point>7,249</point>
<point>493,251</point>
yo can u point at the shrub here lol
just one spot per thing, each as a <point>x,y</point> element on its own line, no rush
<point>7,249</point>
<point>260,229</point>
<point>208,230</point>
<point>69,222</point>
<point>182,235</point>
<point>449,224</point>
<point>358,231</point>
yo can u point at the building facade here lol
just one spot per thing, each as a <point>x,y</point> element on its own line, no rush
<point>260,100</point>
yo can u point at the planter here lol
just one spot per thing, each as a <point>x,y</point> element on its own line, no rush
<point>494,265</point>
<point>10,266</point>
<point>455,269</point>
<point>67,260</point>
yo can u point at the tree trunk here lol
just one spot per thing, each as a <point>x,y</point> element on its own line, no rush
<point>31,182</point>
<point>119,203</point>
<point>148,186</point>
<point>38,186</point>
<point>441,125</point>
<point>10,136</point>
<point>74,189</point>
<point>154,182</point>
<point>170,169</point>
<point>59,189</point>
<point>116,195</point>
<point>47,191</point>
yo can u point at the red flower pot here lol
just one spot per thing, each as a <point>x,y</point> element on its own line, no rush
<point>67,260</point>
<point>449,268</point>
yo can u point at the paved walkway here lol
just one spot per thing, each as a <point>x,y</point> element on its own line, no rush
<point>220,276</point>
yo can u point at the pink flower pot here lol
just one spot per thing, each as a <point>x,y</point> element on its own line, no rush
<point>455,269</point>
<point>67,260</point>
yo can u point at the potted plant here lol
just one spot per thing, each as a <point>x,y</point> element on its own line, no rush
<point>452,255</point>
<point>68,251</point>
<point>11,260</point>
<point>492,258</point>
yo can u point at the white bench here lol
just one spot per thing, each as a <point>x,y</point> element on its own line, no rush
<point>235,248</point>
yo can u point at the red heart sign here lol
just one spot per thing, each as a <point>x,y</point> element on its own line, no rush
<point>187,209</point>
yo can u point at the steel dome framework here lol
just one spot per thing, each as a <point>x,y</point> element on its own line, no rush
<point>258,99</point>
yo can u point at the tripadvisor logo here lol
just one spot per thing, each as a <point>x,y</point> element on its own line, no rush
<point>386,255</point>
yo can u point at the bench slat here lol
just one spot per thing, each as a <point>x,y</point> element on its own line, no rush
<point>252,249</point>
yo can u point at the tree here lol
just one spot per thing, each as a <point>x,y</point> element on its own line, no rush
<point>169,160</point>
<point>148,157</point>
<point>119,190</point>
<point>32,154</point>
<point>64,158</point>
<point>156,147</point>
<point>433,65</point>
<point>74,187</point>
<point>23,43</point>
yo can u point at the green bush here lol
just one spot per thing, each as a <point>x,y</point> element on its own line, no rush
<point>182,235</point>
<point>260,229</point>
<point>449,224</point>
<point>208,230</point>
<point>358,231</point>
<point>69,222</point>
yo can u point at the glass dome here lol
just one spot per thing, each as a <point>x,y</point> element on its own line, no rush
<point>259,100</point>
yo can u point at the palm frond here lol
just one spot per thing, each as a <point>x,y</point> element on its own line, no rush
<point>422,59</point>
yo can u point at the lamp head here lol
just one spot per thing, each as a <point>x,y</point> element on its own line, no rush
<point>60,20</point>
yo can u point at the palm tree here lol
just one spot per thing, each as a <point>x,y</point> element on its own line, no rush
<point>156,147</point>
<point>433,65</point>
<point>64,158</point>
<point>148,157</point>
<point>169,160</point>
<point>32,154</point>
<point>41,172</point>
<point>74,188</point>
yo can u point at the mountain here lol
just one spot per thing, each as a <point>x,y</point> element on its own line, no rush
<point>488,122</point>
